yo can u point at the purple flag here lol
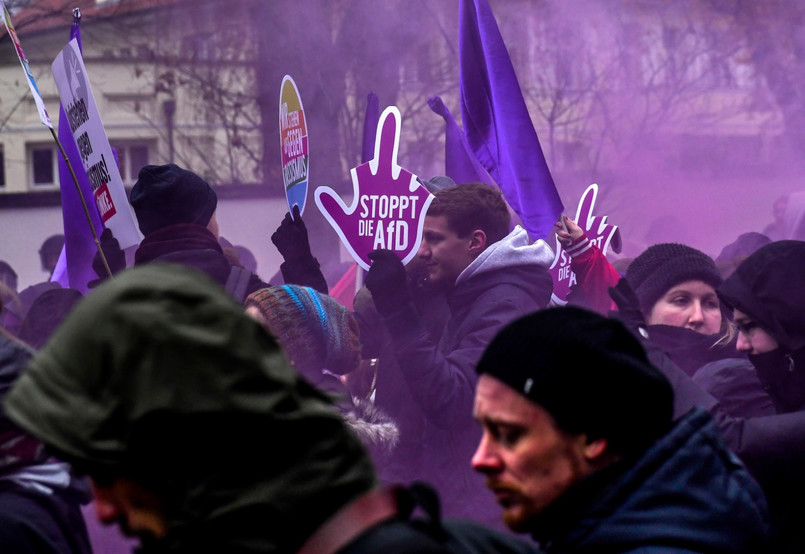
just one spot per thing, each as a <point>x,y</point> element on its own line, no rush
<point>496,121</point>
<point>459,163</point>
<point>370,127</point>
<point>79,245</point>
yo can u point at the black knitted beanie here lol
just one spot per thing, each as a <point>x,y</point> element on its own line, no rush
<point>589,372</point>
<point>664,265</point>
<point>167,194</point>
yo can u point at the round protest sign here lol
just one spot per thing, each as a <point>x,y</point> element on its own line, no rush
<point>293,141</point>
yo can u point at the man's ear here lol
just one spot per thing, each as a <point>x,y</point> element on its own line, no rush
<point>595,450</point>
<point>477,243</point>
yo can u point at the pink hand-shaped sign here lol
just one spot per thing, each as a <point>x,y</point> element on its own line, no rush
<point>598,232</point>
<point>388,205</point>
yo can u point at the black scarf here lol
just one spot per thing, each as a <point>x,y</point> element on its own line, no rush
<point>783,376</point>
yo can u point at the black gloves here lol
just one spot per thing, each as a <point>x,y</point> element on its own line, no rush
<point>629,308</point>
<point>387,282</point>
<point>291,239</point>
<point>115,257</point>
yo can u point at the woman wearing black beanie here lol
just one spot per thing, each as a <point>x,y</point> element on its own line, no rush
<point>675,289</point>
<point>676,286</point>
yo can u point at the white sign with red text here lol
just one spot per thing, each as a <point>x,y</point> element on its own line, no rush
<point>93,145</point>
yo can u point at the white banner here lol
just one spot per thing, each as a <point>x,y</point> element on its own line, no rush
<point>93,145</point>
<point>40,105</point>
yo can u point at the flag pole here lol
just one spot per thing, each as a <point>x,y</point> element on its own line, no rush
<point>77,20</point>
<point>83,202</point>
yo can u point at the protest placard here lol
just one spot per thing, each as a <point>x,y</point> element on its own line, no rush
<point>294,143</point>
<point>388,205</point>
<point>599,233</point>
<point>93,145</point>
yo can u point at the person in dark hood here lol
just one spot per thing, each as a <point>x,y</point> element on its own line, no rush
<point>768,299</point>
<point>580,450</point>
<point>197,433</point>
<point>767,293</point>
<point>490,275</point>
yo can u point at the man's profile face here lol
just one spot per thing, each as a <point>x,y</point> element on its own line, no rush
<point>527,460</point>
<point>442,252</point>
<point>137,510</point>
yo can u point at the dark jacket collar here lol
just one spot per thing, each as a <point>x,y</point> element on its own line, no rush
<point>182,236</point>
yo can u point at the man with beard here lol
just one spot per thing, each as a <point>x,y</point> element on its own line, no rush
<point>580,450</point>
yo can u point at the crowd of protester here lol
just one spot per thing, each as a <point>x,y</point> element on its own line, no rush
<point>454,410</point>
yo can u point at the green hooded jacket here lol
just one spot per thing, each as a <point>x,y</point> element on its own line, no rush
<point>159,376</point>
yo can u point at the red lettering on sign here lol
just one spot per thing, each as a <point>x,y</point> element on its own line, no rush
<point>106,208</point>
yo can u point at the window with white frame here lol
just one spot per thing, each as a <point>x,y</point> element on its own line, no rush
<point>42,168</point>
<point>132,156</point>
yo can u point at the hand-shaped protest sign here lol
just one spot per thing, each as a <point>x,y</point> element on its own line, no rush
<point>598,232</point>
<point>388,205</point>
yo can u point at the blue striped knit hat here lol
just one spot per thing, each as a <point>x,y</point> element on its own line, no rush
<point>315,331</point>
